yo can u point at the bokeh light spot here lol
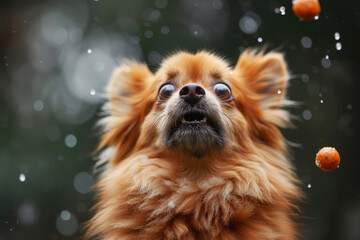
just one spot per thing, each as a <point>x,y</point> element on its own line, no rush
<point>83,182</point>
<point>70,141</point>
<point>307,114</point>
<point>27,213</point>
<point>38,105</point>
<point>249,23</point>
<point>336,36</point>
<point>306,42</point>
<point>338,46</point>
<point>22,177</point>
<point>65,215</point>
<point>67,224</point>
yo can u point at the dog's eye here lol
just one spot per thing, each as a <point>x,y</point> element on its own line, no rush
<point>166,91</point>
<point>222,91</point>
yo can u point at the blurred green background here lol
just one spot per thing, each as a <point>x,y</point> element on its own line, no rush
<point>56,57</point>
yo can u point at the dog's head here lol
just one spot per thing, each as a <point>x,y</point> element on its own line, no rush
<point>197,105</point>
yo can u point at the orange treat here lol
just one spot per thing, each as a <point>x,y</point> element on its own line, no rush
<point>327,159</point>
<point>306,9</point>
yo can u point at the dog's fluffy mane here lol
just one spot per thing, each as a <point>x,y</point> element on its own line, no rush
<point>247,191</point>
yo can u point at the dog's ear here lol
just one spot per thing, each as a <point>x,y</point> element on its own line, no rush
<point>266,76</point>
<point>130,92</point>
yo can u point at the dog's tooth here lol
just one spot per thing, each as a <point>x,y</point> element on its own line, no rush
<point>183,120</point>
<point>204,119</point>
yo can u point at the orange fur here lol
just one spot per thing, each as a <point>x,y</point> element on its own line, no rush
<point>245,189</point>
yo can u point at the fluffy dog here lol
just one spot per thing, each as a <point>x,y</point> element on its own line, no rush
<point>194,151</point>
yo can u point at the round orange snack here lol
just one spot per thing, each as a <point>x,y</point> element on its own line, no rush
<point>327,159</point>
<point>306,9</point>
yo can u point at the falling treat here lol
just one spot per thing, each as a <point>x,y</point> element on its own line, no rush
<point>327,159</point>
<point>306,9</point>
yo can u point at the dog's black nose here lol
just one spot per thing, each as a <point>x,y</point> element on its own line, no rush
<point>192,93</point>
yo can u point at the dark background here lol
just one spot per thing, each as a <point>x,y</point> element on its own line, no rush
<point>56,57</point>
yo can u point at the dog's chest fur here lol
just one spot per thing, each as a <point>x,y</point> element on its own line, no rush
<point>206,205</point>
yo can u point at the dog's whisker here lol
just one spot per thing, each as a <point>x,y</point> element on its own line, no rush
<point>228,124</point>
<point>288,77</point>
<point>157,119</point>
<point>153,125</point>
<point>295,76</point>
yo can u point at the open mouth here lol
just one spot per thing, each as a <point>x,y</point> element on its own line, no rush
<point>195,133</point>
<point>194,117</point>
